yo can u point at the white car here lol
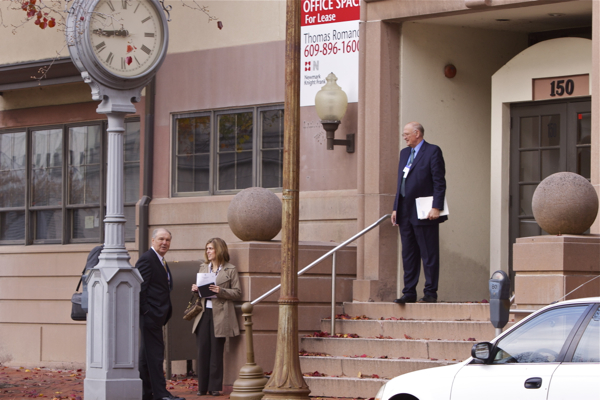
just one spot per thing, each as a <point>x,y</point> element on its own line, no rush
<point>552,354</point>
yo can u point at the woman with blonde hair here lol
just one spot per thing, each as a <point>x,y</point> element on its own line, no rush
<point>217,321</point>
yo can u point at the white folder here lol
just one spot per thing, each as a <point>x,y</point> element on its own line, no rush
<point>424,206</point>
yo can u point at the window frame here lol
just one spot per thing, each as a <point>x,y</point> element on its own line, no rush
<point>66,209</point>
<point>257,150</point>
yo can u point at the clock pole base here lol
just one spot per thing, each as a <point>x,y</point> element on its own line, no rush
<point>123,389</point>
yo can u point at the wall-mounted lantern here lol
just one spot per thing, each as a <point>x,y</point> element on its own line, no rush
<point>331,103</point>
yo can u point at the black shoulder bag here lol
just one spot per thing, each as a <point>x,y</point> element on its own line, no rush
<point>79,301</point>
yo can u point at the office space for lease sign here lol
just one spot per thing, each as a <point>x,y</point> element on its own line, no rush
<point>329,43</point>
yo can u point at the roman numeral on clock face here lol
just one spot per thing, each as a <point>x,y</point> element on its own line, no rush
<point>146,19</point>
<point>145,49</point>
<point>100,46</point>
<point>110,57</point>
<point>148,34</point>
<point>110,5</point>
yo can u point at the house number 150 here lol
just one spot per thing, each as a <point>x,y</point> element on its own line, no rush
<point>560,87</point>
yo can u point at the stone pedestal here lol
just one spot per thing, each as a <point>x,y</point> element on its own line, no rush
<point>112,333</point>
<point>548,267</point>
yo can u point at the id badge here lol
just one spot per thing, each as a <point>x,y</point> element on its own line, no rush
<point>406,170</point>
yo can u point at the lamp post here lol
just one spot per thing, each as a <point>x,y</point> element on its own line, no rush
<point>287,382</point>
<point>331,103</point>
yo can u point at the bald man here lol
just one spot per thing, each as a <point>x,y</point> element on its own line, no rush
<point>155,311</point>
<point>421,173</point>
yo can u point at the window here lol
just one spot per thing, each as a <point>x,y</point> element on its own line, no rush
<point>540,339</point>
<point>588,349</point>
<point>53,183</point>
<point>228,150</point>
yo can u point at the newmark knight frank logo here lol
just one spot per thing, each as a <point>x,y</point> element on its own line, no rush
<point>311,66</point>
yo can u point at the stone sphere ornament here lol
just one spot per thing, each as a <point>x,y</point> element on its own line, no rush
<point>565,203</point>
<point>255,214</point>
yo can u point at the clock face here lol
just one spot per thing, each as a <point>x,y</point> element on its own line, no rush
<point>126,36</point>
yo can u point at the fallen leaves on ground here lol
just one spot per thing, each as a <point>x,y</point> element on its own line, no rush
<point>348,317</point>
<point>359,356</point>
<point>63,384</point>
<point>361,375</point>
<point>316,373</point>
<point>182,382</point>
<point>303,353</point>
<point>23,383</point>
<point>58,384</point>
<point>337,335</point>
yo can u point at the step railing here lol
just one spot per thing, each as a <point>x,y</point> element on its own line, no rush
<point>332,253</point>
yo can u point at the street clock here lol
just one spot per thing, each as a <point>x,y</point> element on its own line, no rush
<point>117,43</point>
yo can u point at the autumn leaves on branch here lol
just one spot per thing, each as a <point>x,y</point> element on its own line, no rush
<point>34,11</point>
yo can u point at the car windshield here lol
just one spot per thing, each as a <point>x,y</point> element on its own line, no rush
<point>540,339</point>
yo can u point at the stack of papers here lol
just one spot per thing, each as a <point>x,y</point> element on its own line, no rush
<point>203,281</point>
<point>424,206</point>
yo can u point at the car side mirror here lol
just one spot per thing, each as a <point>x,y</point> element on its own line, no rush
<point>482,351</point>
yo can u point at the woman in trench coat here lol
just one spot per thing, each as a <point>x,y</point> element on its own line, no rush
<point>217,321</point>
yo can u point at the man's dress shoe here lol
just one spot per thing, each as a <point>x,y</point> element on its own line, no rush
<point>404,299</point>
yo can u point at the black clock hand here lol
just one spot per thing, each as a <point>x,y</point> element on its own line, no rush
<point>119,32</point>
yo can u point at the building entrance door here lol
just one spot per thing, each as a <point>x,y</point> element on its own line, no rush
<point>545,139</point>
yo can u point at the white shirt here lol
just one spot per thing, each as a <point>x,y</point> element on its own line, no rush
<point>208,300</point>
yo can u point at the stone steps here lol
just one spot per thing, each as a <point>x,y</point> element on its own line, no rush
<point>392,348</point>
<point>421,311</point>
<point>436,335</point>
<point>353,367</point>
<point>448,330</point>
<point>347,387</point>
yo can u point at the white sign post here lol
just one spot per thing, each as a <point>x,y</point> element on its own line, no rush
<point>329,38</point>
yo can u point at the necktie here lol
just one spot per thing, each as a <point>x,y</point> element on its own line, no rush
<point>410,161</point>
<point>164,263</point>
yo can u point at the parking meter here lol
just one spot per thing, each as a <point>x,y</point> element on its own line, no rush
<point>499,299</point>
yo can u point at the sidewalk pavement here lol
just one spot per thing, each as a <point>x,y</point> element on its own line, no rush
<point>62,384</point>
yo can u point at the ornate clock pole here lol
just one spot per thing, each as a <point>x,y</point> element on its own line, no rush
<point>117,45</point>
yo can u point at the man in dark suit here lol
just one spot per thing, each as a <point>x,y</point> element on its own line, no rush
<point>155,311</point>
<point>421,173</point>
